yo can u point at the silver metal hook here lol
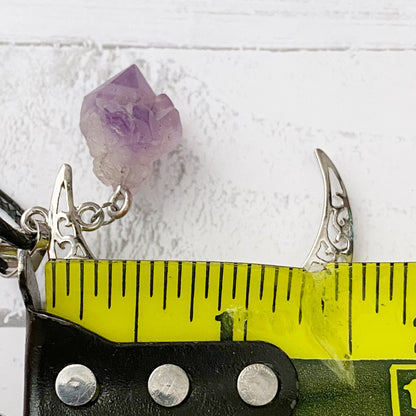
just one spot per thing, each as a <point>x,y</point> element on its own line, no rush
<point>334,242</point>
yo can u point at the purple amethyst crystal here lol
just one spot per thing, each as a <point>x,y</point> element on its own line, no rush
<point>128,127</point>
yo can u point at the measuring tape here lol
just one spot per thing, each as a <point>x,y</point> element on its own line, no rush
<point>357,311</point>
<point>349,329</point>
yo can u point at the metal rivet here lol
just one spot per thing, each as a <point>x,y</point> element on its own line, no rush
<point>168,385</point>
<point>76,385</point>
<point>257,384</point>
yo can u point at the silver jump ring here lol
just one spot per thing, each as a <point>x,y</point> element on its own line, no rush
<point>28,221</point>
<point>123,195</point>
<point>108,207</point>
<point>96,220</point>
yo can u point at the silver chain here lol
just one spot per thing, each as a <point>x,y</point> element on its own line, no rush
<point>89,215</point>
<point>116,207</point>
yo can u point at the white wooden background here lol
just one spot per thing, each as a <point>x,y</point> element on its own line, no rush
<point>259,84</point>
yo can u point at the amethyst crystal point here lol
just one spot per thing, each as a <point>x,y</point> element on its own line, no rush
<point>128,127</point>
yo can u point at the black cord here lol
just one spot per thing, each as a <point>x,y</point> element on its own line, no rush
<point>10,207</point>
<point>7,232</point>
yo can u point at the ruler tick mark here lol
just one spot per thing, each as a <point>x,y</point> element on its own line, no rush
<point>95,278</point>
<point>336,282</point>
<point>391,280</point>
<point>123,289</point>
<point>248,286</point>
<point>53,284</point>
<point>165,283</point>
<point>220,286</point>
<point>350,310</point>
<point>110,282</point>
<point>377,287</point>
<point>276,281</point>
<point>81,283</point>
<point>207,271</point>
<point>405,294</point>
<point>191,314</point>
<point>68,277</point>
<point>179,279</point>
<point>152,276</point>
<point>262,282</point>
<point>136,312</point>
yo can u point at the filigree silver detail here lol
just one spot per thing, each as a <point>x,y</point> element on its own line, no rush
<point>72,243</point>
<point>334,242</point>
<point>66,222</point>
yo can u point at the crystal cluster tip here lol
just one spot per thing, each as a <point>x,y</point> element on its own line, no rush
<point>127,127</point>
